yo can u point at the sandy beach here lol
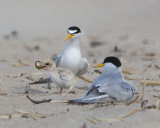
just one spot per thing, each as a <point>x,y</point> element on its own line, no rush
<point>35,30</point>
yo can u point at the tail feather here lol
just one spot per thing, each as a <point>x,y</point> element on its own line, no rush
<point>91,100</point>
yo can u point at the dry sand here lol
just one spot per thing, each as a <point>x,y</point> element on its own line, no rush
<point>132,26</point>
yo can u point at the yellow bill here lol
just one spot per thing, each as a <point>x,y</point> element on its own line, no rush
<point>99,65</point>
<point>68,37</point>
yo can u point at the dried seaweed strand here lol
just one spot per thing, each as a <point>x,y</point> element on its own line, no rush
<point>131,113</point>
<point>38,102</point>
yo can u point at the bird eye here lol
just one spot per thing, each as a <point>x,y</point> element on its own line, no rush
<point>47,63</point>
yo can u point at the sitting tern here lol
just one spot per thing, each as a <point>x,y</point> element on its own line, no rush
<point>71,57</point>
<point>109,86</point>
<point>63,78</point>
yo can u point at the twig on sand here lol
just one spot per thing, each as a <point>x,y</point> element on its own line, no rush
<point>148,58</point>
<point>157,104</point>
<point>35,73</point>
<point>111,119</point>
<point>147,68</point>
<point>20,63</point>
<point>91,121</point>
<point>24,115</point>
<point>9,116</point>
<point>131,78</point>
<point>133,101</point>
<point>131,113</point>
<point>128,71</point>
<point>150,82</point>
<point>86,79</point>
<point>3,93</point>
<point>32,115</point>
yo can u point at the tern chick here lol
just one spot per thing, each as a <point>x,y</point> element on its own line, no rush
<point>63,78</point>
<point>109,86</point>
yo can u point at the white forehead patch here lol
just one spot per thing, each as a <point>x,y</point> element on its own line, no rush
<point>72,31</point>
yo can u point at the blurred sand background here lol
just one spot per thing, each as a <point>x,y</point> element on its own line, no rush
<point>33,30</point>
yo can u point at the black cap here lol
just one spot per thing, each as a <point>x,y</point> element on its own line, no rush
<point>113,60</point>
<point>73,30</point>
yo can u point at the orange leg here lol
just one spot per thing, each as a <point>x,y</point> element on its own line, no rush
<point>60,90</point>
<point>57,90</point>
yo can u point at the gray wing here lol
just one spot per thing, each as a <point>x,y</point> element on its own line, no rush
<point>58,60</point>
<point>106,86</point>
<point>120,90</point>
<point>64,77</point>
<point>83,67</point>
<point>93,94</point>
<point>100,81</point>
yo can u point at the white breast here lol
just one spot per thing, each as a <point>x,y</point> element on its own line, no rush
<point>71,59</point>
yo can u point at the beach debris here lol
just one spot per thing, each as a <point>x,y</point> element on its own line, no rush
<point>9,116</point>
<point>20,63</point>
<point>86,79</point>
<point>36,47</point>
<point>3,60</point>
<point>23,114</point>
<point>91,121</point>
<point>143,107</point>
<point>39,102</point>
<point>84,125</point>
<point>128,71</point>
<point>111,119</point>
<point>12,35</point>
<point>150,54</point>
<point>116,49</point>
<point>33,48</point>
<point>97,71</point>
<point>148,58</point>
<point>148,66</point>
<point>157,103</point>
<point>145,41</point>
<point>143,103</point>
<point>3,93</point>
<point>149,82</point>
<point>130,113</point>
<point>29,114</point>
<point>156,66</point>
<point>94,44</point>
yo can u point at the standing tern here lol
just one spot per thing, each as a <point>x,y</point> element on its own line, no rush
<point>71,57</point>
<point>63,78</point>
<point>109,86</point>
